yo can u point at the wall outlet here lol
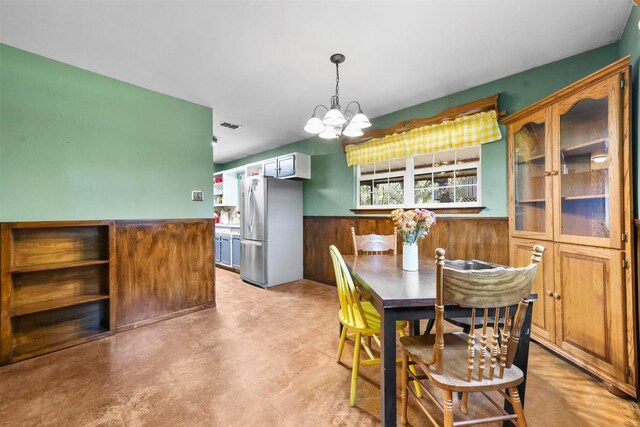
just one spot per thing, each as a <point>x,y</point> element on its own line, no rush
<point>197,196</point>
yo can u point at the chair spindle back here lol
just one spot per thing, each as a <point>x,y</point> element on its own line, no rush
<point>489,293</point>
<point>347,293</point>
<point>375,244</point>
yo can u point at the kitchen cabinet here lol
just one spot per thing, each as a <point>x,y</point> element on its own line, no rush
<point>225,249</point>
<point>570,191</point>
<point>235,251</point>
<point>225,188</point>
<point>295,165</point>
<point>217,249</point>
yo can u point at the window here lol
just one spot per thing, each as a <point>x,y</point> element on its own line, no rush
<point>443,179</point>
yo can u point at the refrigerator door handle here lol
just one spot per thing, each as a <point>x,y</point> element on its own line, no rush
<point>252,208</point>
<point>250,243</point>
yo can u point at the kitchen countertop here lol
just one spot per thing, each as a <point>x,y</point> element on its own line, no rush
<point>228,225</point>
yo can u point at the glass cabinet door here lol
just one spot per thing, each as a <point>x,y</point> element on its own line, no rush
<point>588,167</point>
<point>530,187</point>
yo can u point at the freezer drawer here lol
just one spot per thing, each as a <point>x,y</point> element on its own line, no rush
<point>253,261</point>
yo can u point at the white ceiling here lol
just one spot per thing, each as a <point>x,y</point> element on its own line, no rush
<point>265,64</point>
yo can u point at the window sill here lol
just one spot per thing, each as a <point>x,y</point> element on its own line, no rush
<point>445,210</point>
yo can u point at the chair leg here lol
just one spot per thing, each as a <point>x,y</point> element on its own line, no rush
<point>354,370</point>
<point>343,338</point>
<point>464,402</point>
<point>430,324</point>
<point>517,406</point>
<point>448,408</point>
<point>412,367</point>
<point>405,385</point>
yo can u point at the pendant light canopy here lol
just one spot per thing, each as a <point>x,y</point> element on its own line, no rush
<point>336,122</point>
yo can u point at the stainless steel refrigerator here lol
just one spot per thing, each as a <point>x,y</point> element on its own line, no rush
<point>270,231</point>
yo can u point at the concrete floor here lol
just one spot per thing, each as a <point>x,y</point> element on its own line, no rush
<point>260,358</point>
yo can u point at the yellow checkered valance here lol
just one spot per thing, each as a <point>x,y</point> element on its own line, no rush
<point>461,132</point>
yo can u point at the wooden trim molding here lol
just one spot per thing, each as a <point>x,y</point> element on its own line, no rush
<point>387,211</point>
<point>603,74</point>
<point>480,105</point>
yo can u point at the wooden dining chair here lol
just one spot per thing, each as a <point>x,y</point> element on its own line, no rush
<point>375,244</point>
<point>357,317</point>
<point>449,360</point>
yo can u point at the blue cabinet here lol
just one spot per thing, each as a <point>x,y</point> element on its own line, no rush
<point>287,166</point>
<point>225,251</point>
<point>217,249</point>
<point>235,252</point>
<point>270,168</point>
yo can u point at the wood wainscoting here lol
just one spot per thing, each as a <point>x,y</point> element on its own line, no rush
<point>481,238</point>
<point>164,269</point>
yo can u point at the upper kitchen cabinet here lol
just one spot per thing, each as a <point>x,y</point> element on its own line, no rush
<point>225,188</point>
<point>295,165</point>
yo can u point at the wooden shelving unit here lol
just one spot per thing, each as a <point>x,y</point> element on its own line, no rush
<point>57,285</point>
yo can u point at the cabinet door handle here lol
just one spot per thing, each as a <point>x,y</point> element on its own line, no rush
<point>556,295</point>
<point>549,293</point>
<point>547,173</point>
<point>554,172</point>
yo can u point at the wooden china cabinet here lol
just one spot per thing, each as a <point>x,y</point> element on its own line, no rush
<point>570,190</point>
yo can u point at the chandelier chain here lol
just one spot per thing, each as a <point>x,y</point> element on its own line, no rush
<point>337,81</point>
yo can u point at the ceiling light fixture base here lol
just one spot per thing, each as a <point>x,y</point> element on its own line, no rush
<point>337,58</point>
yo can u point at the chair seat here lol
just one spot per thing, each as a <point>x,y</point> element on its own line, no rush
<point>373,319</point>
<point>454,376</point>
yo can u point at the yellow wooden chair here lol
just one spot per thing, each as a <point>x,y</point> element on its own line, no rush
<point>357,317</point>
<point>448,360</point>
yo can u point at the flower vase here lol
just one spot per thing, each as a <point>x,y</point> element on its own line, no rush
<point>410,256</point>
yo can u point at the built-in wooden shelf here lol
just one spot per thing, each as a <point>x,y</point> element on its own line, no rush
<point>57,265</point>
<point>37,307</point>
<point>584,144</point>
<point>56,286</point>
<point>33,348</point>
<point>532,158</point>
<point>530,200</point>
<point>586,196</point>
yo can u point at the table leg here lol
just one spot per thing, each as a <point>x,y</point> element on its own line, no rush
<point>521,359</point>
<point>388,369</point>
<point>416,327</point>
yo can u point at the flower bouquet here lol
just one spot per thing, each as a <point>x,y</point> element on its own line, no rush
<point>413,225</point>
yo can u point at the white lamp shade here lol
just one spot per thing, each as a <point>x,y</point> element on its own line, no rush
<point>314,125</point>
<point>360,121</point>
<point>599,158</point>
<point>352,131</point>
<point>334,118</point>
<point>328,133</point>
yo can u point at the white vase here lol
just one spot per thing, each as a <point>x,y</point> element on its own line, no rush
<point>410,256</point>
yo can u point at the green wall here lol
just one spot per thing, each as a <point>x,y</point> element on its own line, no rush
<point>79,145</point>
<point>331,189</point>
<point>630,45</point>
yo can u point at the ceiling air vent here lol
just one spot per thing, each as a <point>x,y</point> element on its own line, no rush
<point>229,125</point>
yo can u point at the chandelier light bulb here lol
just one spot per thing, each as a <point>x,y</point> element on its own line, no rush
<point>334,117</point>
<point>360,121</point>
<point>352,131</point>
<point>328,133</point>
<point>314,125</point>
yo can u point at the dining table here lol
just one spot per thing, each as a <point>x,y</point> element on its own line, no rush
<point>411,295</point>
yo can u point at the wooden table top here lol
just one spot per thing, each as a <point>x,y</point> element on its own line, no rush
<point>384,277</point>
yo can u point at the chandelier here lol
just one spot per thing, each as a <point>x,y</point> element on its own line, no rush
<point>335,122</point>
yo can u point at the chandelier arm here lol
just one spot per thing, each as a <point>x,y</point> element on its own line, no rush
<point>318,106</point>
